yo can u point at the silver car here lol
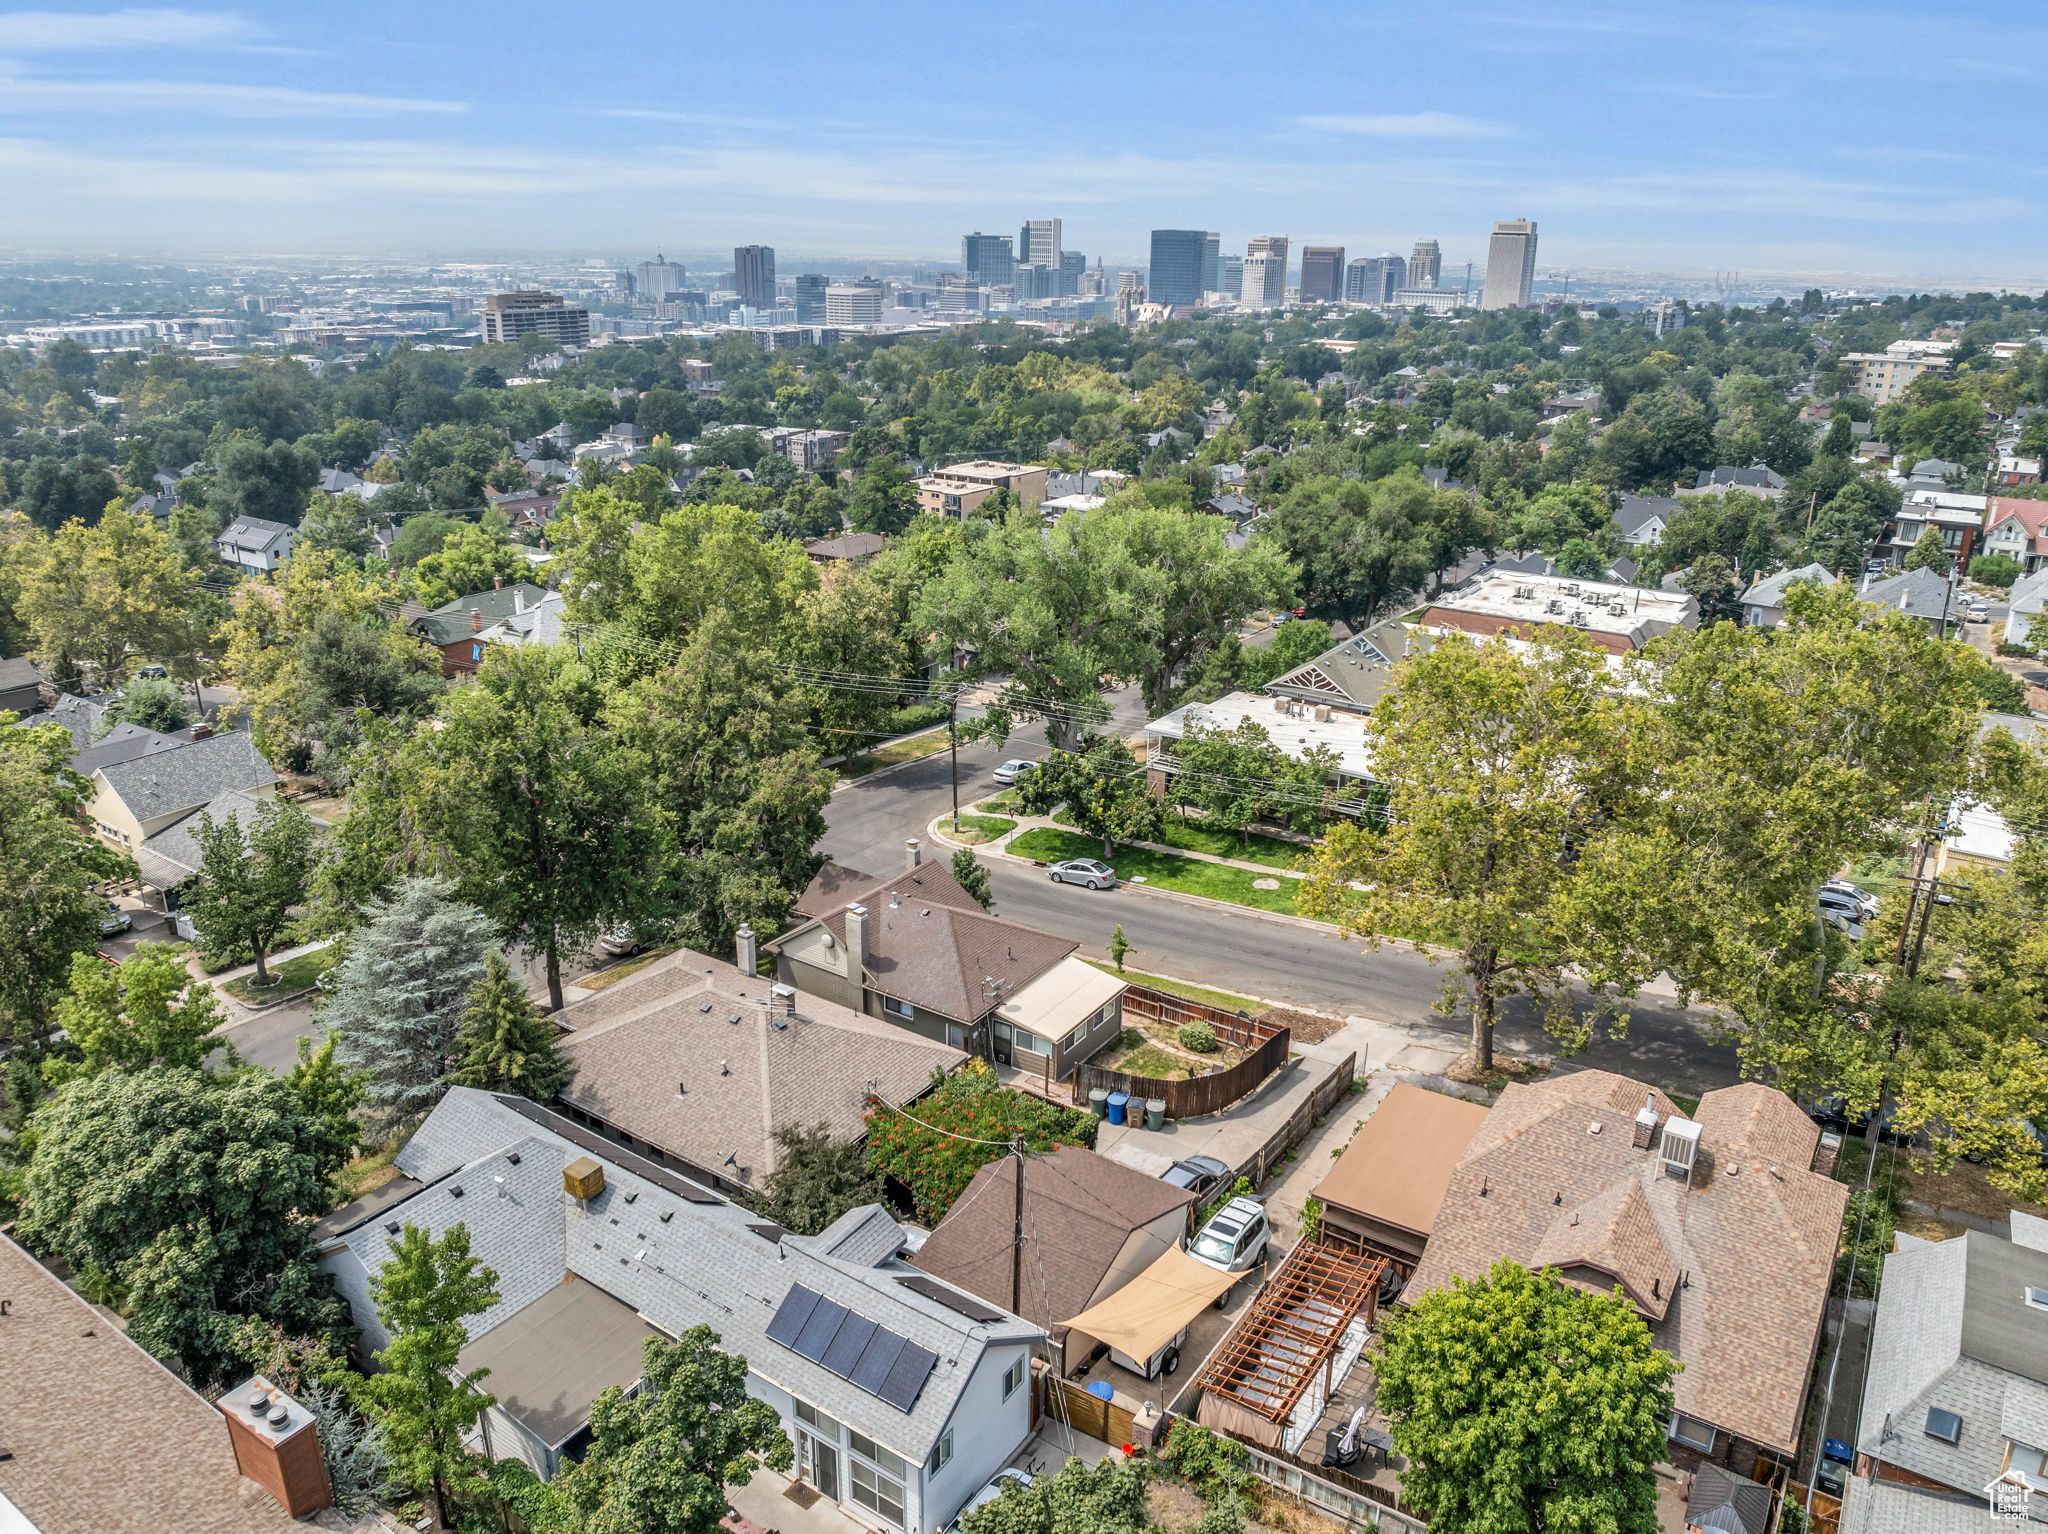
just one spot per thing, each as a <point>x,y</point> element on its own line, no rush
<point>1235,1237</point>
<point>1096,875</point>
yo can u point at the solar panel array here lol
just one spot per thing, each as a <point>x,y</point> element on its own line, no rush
<point>887,1366</point>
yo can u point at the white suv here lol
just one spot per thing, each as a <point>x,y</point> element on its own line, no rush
<point>1235,1237</point>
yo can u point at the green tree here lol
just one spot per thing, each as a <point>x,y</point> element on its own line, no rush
<point>251,480</point>
<point>1359,547</point>
<point>817,1178</point>
<point>94,596</point>
<point>330,1093</point>
<point>423,535</point>
<point>1999,570</point>
<point>148,1011</point>
<point>189,1197</point>
<point>1928,552</point>
<point>971,874</point>
<point>250,877</point>
<point>476,556</point>
<point>1525,1406</point>
<point>883,499</point>
<point>1711,581</point>
<point>660,1460</point>
<point>336,523</point>
<point>1119,947</point>
<point>1498,763</point>
<point>936,1154</point>
<point>154,702</point>
<point>1103,788</point>
<point>422,1397</point>
<point>1107,1497</point>
<point>504,1045</point>
<point>1840,440</point>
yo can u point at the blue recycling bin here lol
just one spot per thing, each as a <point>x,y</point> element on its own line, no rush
<point>1118,1102</point>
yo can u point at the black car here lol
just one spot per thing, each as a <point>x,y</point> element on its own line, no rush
<point>1198,1174</point>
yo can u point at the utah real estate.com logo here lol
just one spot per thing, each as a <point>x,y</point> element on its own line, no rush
<point>2008,1499</point>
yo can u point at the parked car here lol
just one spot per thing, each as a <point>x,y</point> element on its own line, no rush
<point>1000,1482</point>
<point>113,919</point>
<point>1866,901</point>
<point>1015,768</point>
<point>1844,922</point>
<point>619,942</point>
<point>1198,1174</point>
<point>1282,616</point>
<point>2026,1127</point>
<point>1235,1237</point>
<point>1096,875</point>
<point>1852,902</point>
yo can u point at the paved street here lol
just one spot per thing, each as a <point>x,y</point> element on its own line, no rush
<point>1235,949</point>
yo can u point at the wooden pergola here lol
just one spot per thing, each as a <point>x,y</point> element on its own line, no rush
<point>1293,1330</point>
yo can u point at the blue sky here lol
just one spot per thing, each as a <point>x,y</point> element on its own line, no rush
<point>1900,142</point>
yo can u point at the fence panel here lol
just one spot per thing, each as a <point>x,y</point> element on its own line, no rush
<point>1187,1099</point>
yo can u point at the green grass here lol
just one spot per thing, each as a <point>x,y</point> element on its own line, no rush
<point>888,756</point>
<point>1008,802</point>
<point>1183,990</point>
<point>1148,1059</point>
<point>1689,1106</point>
<point>1250,847</point>
<point>1166,870</point>
<point>975,829</point>
<point>286,979</point>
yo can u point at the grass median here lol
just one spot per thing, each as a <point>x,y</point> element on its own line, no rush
<point>976,829</point>
<point>286,979</point>
<point>1163,870</point>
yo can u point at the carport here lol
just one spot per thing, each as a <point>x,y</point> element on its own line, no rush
<point>1144,1322</point>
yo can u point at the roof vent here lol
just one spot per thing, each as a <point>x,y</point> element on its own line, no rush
<point>1680,1146</point>
<point>1944,1424</point>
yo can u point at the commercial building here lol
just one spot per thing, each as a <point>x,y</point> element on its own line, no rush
<point>810,298</point>
<point>1665,316</point>
<point>109,333</point>
<point>657,280</point>
<point>1265,273</point>
<point>1186,263</point>
<point>1430,300</point>
<point>1882,377</point>
<point>1375,279</point>
<point>753,275</point>
<point>1322,274</point>
<point>956,490</point>
<point>1039,241</point>
<point>854,303</point>
<point>1510,264</point>
<point>988,259</point>
<point>1425,265</point>
<point>1032,281</point>
<point>1617,618</point>
<point>514,316</point>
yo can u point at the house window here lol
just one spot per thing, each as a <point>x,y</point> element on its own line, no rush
<point>1693,1433</point>
<point>1012,1378</point>
<point>942,1455</point>
<point>824,1426</point>
<point>1029,1043</point>
<point>877,1493</point>
<point>886,1459</point>
<point>897,1008</point>
<point>2038,1298</point>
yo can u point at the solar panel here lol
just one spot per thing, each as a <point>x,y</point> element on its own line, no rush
<point>818,1332</point>
<point>907,1376</point>
<point>795,1309</point>
<point>876,1360</point>
<point>966,1304</point>
<point>855,1333</point>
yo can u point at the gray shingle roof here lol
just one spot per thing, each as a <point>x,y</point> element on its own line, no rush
<point>678,1263</point>
<point>252,533</point>
<point>450,621</point>
<point>176,844</point>
<point>1755,477</point>
<point>1770,590</point>
<point>1358,672</point>
<point>171,782</point>
<point>81,716</point>
<point>123,743</point>
<point>1637,510</point>
<point>1918,593</point>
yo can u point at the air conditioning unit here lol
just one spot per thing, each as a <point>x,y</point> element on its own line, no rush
<point>1680,1146</point>
<point>1553,606</point>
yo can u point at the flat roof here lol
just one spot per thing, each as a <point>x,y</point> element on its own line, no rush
<point>1646,610</point>
<point>1297,733</point>
<point>550,1360</point>
<point>1396,1169</point>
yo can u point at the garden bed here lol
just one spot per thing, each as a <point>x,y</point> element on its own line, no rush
<point>1165,870</point>
<point>1151,1051</point>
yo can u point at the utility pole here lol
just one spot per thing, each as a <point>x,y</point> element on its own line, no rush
<point>953,748</point>
<point>1017,1230</point>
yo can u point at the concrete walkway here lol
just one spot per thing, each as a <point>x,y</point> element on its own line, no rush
<point>241,971</point>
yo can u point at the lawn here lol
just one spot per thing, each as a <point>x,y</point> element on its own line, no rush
<point>975,829</point>
<point>1166,870</point>
<point>888,756</point>
<point>286,979</point>
<point>1148,1059</point>
<point>612,974</point>
<point>1183,990</point>
<point>1251,847</point>
<point>1008,802</point>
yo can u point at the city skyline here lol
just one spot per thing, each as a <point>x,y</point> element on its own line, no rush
<point>260,130</point>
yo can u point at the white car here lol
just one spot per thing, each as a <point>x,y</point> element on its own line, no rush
<point>1840,895</point>
<point>1014,769</point>
<point>1002,1480</point>
<point>1235,1237</point>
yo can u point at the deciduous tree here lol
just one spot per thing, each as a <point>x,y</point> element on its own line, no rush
<point>250,877</point>
<point>817,1179</point>
<point>96,595</point>
<point>1103,788</point>
<point>148,1011</point>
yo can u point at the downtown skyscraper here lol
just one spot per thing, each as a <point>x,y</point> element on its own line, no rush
<point>1510,264</point>
<point>1265,273</point>
<point>1186,263</point>
<point>1322,273</point>
<point>988,259</point>
<point>753,275</point>
<point>1425,264</point>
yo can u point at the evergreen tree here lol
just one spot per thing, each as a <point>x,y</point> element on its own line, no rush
<point>401,994</point>
<point>505,1045</point>
<point>1929,553</point>
<point>972,875</point>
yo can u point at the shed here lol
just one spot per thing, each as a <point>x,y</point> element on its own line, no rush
<point>1383,1194</point>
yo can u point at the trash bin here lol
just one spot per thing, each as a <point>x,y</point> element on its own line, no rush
<point>1098,1101</point>
<point>1102,1390</point>
<point>1155,1113</point>
<point>1116,1103</point>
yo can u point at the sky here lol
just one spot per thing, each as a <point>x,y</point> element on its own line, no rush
<point>1888,142</point>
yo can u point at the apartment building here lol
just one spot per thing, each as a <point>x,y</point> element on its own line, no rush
<point>515,316</point>
<point>956,490</point>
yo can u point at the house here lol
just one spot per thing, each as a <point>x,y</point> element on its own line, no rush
<point>336,481</point>
<point>1933,472</point>
<point>901,1395</point>
<point>167,858</point>
<point>1382,1196</point>
<point>1756,480</point>
<point>1720,1230</point>
<point>255,545</point>
<point>2028,596</point>
<point>917,950</point>
<point>526,511</point>
<point>2017,529</point>
<point>1921,594</point>
<point>151,1453</point>
<point>457,628</point>
<point>845,548</point>
<point>1617,618</point>
<point>82,717</point>
<point>2012,469</point>
<point>1642,519</point>
<point>1956,515</point>
<point>1722,1503</point>
<point>1955,1398</point>
<point>142,794</point>
<point>1239,508</point>
<point>158,505</point>
<point>700,1063</point>
<point>1091,1226</point>
<point>1763,605</point>
<point>21,685</point>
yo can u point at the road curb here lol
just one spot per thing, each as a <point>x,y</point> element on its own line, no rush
<point>1279,917</point>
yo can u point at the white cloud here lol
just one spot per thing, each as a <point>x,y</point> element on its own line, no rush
<point>1403,125</point>
<point>76,31</point>
<point>19,93</point>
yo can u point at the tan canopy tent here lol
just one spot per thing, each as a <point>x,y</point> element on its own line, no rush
<point>1151,1310</point>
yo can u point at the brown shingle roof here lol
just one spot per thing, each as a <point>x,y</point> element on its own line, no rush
<point>1079,1210</point>
<point>1744,1255</point>
<point>1396,1168</point>
<point>637,1043</point>
<point>102,1438</point>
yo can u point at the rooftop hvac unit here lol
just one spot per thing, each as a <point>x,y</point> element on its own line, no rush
<point>1572,590</point>
<point>1680,1147</point>
<point>1525,593</point>
<point>1617,609</point>
<point>1553,606</point>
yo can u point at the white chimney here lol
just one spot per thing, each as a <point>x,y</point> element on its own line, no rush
<point>857,957</point>
<point>746,952</point>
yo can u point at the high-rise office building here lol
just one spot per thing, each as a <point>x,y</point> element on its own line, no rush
<point>1510,264</point>
<point>1426,265</point>
<point>1039,241</point>
<point>988,258</point>
<point>1265,272</point>
<point>510,316</point>
<point>1374,279</point>
<point>1072,265</point>
<point>1032,280</point>
<point>753,275</point>
<point>1322,273</point>
<point>859,302</point>
<point>1185,264</point>
<point>658,280</point>
<point>810,298</point>
<point>1229,274</point>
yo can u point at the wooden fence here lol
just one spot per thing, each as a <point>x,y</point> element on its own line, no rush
<point>1238,1029</point>
<point>1090,1414</point>
<point>1189,1099</point>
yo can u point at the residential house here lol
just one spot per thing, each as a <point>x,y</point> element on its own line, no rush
<point>1955,1396</point>
<point>142,794</point>
<point>1763,605</point>
<point>1956,515</point>
<point>1617,618</point>
<point>1642,519</point>
<point>2024,603</point>
<point>1931,473</point>
<point>917,950</point>
<point>82,717</point>
<point>255,545</point>
<point>1921,594</point>
<point>1382,1196</point>
<point>901,1395</point>
<point>2013,469</point>
<point>1757,479</point>
<point>148,1453</point>
<point>457,628</point>
<point>158,505</point>
<point>336,481</point>
<point>2017,529</point>
<point>1975,835</point>
<point>1722,1503</point>
<point>1719,1229</point>
<point>844,549</point>
<point>526,511</point>
<point>1090,1227</point>
<point>699,1063</point>
<point>21,685</point>
<point>1053,507</point>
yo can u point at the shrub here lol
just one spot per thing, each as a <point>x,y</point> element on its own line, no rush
<point>1199,1037</point>
<point>1994,569</point>
<point>914,717</point>
<point>966,1112</point>
<point>1214,1466</point>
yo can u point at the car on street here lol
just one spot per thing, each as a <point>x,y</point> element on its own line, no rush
<point>1198,1174</point>
<point>1839,895</point>
<point>1282,616</point>
<point>1015,768</point>
<point>1095,875</point>
<point>1844,922</point>
<point>1235,1237</point>
<point>113,919</point>
<point>1000,1482</point>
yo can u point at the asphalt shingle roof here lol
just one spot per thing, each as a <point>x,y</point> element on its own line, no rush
<point>1917,593</point>
<point>176,843</point>
<point>81,716</point>
<point>170,782</point>
<point>450,621</point>
<point>1358,672</point>
<point>123,743</point>
<point>252,533</point>
<point>1770,590</point>
<point>1635,511</point>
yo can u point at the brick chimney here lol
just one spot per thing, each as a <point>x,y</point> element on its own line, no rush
<point>857,957</point>
<point>497,583</point>
<point>913,853</point>
<point>1825,1153</point>
<point>277,1445</point>
<point>746,956</point>
<point>476,621</point>
<point>1646,1124</point>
